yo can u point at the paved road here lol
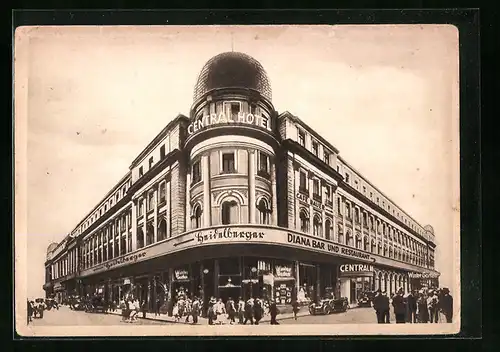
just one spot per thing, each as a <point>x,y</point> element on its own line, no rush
<point>67,317</point>
<point>352,316</point>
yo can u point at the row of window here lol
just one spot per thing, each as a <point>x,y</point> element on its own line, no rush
<point>407,255</point>
<point>315,146</point>
<point>316,187</point>
<point>151,161</point>
<point>230,213</point>
<point>229,166</point>
<point>380,201</point>
<point>148,204</point>
<point>368,221</point>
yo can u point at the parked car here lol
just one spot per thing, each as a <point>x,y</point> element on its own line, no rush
<point>329,305</point>
<point>365,299</point>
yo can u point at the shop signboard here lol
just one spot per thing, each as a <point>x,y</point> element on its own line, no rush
<point>248,235</point>
<point>283,293</point>
<point>181,275</point>
<point>414,275</point>
<point>356,270</point>
<point>283,271</point>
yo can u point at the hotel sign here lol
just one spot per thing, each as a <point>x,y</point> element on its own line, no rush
<point>308,200</point>
<point>222,119</point>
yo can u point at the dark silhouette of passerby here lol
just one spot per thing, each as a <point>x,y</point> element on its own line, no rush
<point>231,310</point>
<point>258,311</point>
<point>399,307</point>
<point>432,305</point>
<point>211,311</point>
<point>30,312</point>
<point>446,305</point>
<point>411,308</point>
<point>273,311</point>
<point>295,308</point>
<point>384,305</point>
<point>143,309</point>
<point>378,306</point>
<point>195,310</point>
<point>422,310</point>
<point>157,307</point>
<point>248,312</point>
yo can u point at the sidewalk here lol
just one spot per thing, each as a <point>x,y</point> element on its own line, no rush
<point>204,321</point>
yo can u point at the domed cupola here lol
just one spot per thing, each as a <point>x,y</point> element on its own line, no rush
<point>232,70</point>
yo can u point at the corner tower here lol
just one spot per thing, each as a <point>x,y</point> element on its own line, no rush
<point>231,143</point>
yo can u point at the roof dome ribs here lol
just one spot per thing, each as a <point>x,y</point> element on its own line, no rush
<point>232,70</point>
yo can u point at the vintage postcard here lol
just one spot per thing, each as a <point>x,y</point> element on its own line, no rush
<point>216,180</point>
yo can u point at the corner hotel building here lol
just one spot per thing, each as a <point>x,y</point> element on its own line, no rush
<point>238,200</point>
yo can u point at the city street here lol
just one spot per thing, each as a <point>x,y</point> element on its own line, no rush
<point>67,317</point>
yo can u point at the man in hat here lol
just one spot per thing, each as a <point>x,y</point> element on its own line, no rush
<point>446,305</point>
<point>273,311</point>
<point>399,306</point>
<point>432,305</point>
<point>211,311</point>
<point>378,306</point>
<point>248,312</point>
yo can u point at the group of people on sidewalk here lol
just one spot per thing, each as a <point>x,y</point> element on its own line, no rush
<point>252,310</point>
<point>424,306</point>
<point>131,307</point>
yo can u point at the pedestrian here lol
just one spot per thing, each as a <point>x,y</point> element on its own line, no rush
<point>385,308</point>
<point>231,311</point>
<point>411,307</point>
<point>241,310</point>
<point>295,308</point>
<point>157,307</point>
<point>248,312</point>
<point>195,310</point>
<point>399,307</point>
<point>212,316</point>
<point>143,309</point>
<point>257,310</point>
<point>446,305</point>
<point>30,311</point>
<point>378,304</point>
<point>273,311</point>
<point>432,305</point>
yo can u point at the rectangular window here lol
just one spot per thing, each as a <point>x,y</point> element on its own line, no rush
<point>263,165</point>
<point>235,109</point>
<point>141,171</point>
<point>326,158</point>
<point>196,172</point>
<point>162,192</point>
<point>151,201</point>
<point>162,152</point>
<point>140,211</point>
<point>316,187</point>
<point>348,210</point>
<point>150,162</point>
<point>339,206</point>
<point>364,189</point>
<point>303,181</point>
<point>302,138</point>
<point>228,163</point>
<point>347,178</point>
<point>328,194</point>
<point>315,148</point>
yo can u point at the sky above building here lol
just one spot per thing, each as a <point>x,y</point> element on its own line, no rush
<point>385,96</point>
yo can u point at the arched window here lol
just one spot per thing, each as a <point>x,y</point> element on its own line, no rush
<point>366,244</point>
<point>304,221</point>
<point>162,230</point>
<point>358,241</point>
<point>328,227</point>
<point>150,234</point>
<point>140,238</point>
<point>229,212</point>
<point>317,230</point>
<point>349,238</point>
<point>374,247</point>
<point>196,218</point>
<point>264,211</point>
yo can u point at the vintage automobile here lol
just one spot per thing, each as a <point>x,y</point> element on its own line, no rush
<point>365,299</point>
<point>76,303</point>
<point>96,304</point>
<point>329,305</point>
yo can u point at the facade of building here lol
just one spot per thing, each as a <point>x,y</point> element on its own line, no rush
<point>240,200</point>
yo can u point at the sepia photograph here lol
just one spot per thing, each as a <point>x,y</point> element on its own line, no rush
<point>215,180</point>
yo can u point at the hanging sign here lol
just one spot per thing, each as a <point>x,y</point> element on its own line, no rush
<point>181,274</point>
<point>283,271</point>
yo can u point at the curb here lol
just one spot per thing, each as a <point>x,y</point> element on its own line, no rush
<point>266,319</point>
